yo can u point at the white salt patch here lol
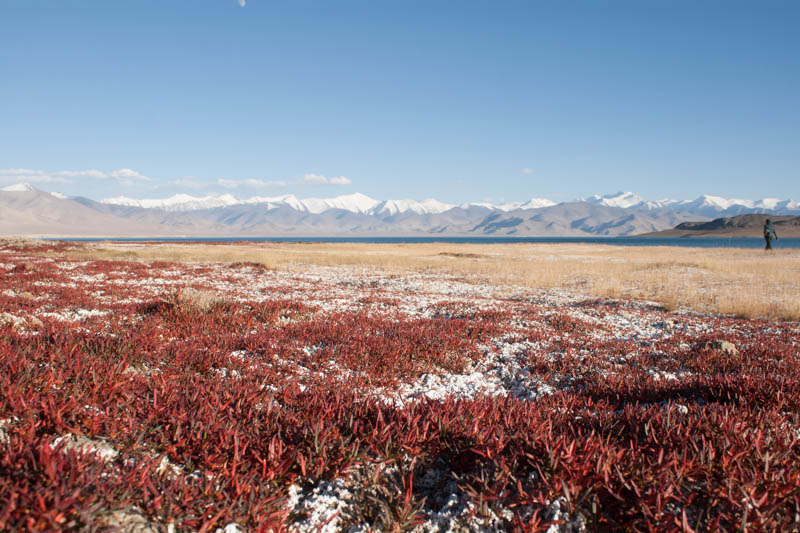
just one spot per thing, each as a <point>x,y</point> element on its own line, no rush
<point>322,506</point>
<point>76,315</point>
<point>659,375</point>
<point>5,423</point>
<point>71,266</point>
<point>458,514</point>
<point>436,387</point>
<point>499,373</point>
<point>87,278</point>
<point>82,444</point>
<point>92,410</point>
<point>15,321</point>
<point>554,512</point>
<point>226,372</point>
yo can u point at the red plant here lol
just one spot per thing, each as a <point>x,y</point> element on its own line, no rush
<point>214,414</point>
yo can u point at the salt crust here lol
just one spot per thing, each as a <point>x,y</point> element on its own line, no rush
<point>4,425</point>
<point>501,372</point>
<point>74,315</point>
<point>81,444</point>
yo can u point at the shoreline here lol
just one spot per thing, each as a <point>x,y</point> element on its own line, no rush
<point>677,241</point>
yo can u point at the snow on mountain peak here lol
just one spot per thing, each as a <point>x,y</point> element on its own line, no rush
<point>19,187</point>
<point>650,205</point>
<point>273,202</point>
<point>768,203</point>
<point>719,203</point>
<point>431,205</point>
<point>360,203</point>
<point>620,199</point>
<point>536,203</point>
<point>177,202</point>
<point>27,187</point>
<point>533,203</point>
<point>355,203</point>
<point>394,207</point>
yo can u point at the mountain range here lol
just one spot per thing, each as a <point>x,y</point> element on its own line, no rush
<point>25,210</point>
<point>355,203</point>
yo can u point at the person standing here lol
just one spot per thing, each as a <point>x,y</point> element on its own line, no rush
<point>769,234</point>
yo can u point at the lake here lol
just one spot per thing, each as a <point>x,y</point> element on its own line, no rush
<point>697,242</point>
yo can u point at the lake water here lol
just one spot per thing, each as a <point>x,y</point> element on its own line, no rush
<point>701,242</point>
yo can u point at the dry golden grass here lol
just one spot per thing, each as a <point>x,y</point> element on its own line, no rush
<point>748,283</point>
<point>199,300</point>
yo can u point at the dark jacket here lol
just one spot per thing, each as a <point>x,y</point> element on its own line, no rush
<point>769,231</point>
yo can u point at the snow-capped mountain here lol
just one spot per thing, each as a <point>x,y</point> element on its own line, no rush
<point>620,199</point>
<point>178,202</point>
<point>650,205</point>
<point>355,203</point>
<point>716,205</point>
<point>706,205</point>
<point>19,187</point>
<point>533,203</point>
<point>274,202</point>
<point>395,207</point>
<point>27,187</point>
<point>25,209</point>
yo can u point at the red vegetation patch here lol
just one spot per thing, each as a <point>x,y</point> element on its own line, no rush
<point>216,413</point>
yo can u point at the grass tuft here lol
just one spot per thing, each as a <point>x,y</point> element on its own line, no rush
<point>199,300</point>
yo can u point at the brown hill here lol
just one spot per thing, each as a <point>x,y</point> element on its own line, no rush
<point>37,213</point>
<point>738,226</point>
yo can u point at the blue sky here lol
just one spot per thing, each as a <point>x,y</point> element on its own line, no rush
<point>457,100</point>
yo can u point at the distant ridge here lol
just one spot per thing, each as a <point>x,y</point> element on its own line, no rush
<point>355,203</point>
<point>750,225</point>
<point>25,210</point>
<point>706,205</point>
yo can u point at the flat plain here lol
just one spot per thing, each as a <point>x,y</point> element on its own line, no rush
<point>351,387</point>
